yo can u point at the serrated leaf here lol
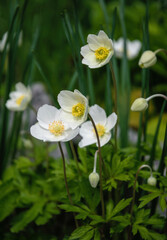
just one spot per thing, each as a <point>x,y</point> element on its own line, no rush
<point>120,206</point>
<point>97,235</point>
<point>79,232</point>
<point>23,162</point>
<point>6,188</point>
<point>144,233</point>
<point>148,198</point>
<point>154,220</point>
<point>149,188</point>
<point>8,204</point>
<point>157,236</point>
<point>88,235</point>
<point>122,219</point>
<point>96,219</point>
<point>163,203</point>
<point>28,216</point>
<point>109,209</point>
<point>41,220</point>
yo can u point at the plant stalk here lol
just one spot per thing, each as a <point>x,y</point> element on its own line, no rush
<point>116,102</point>
<point>100,165</point>
<point>65,179</point>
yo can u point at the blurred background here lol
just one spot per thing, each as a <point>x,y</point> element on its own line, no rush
<point>44,35</point>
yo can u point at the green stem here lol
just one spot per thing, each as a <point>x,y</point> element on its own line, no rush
<point>100,164</point>
<point>65,179</point>
<point>47,159</point>
<point>116,102</point>
<point>133,197</point>
<point>75,157</point>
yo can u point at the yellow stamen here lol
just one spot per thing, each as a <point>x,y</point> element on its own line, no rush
<point>101,53</point>
<point>78,110</point>
<point>56,127</point>
<point>19,100</point>
<point>100,129</point>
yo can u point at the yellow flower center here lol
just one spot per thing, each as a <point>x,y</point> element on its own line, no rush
<point>78,110</point>
<point>100,129</point>
<point>56,127</point>
<point>19,100</point>
<point>101,53</point>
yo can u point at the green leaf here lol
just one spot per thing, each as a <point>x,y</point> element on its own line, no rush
<point>120,206</point>
<point>97,235</point>
<point>8,204</point>
<point>157,236</point>
<point>28,216</point>
<point>79,232</point>
<point>109,209</point>
<point>163,203</point>
<point>41,220</point>
<point>6,188</point>
<point>149,188</point>
<point>122,219</point>
<point>23,162</point>
<point>144,233</point>
<point>148,198</point>
<point>88,235</point>
<point>96,219</point>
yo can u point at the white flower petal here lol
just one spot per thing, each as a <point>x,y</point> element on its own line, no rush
<point>104,40</point>
<point>21,88</point>
<point>42,134</point>
<point>91,60</point>
<point>71,134</point>
<point>68,118</point>
<point>111,121</point>
<point>93,42</point>
<point>86,129</point>
<point>87,141</point>
<point>105,139</point>
<point>98,114</point>
<point>46,114</point>
<point>85,50</point>
<point>67,100</point>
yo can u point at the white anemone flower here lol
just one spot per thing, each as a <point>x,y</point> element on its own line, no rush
<point>98,51</point>
<point>103,124</point>
<point>74,107</point>
<point>133,48</point>
<point>20,98</point>
<point>50,126</point>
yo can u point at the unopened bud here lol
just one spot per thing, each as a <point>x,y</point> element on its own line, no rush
<point>147,59</point>
<point>140,104</point>
<point>152,181</point>
<point>94,179</point>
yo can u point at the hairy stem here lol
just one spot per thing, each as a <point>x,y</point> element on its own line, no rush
<point>100,164</point>
<point>116,102</point>
<point>75,157</point>
<point>65,179</point>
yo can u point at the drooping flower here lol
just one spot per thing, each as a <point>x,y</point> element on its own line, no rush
<point>74,107</point>
<point>94,176</point>
<point>133,48</point>
<point>20,98</point>
<point>51,127</point>
<point>98,51</point>
<point>103,124</point>
<point>140,104</point>
<point>152,181</point>
<point>147,59</point>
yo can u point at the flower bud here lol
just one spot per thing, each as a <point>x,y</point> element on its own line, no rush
<point>94,179</point>
<point>147,59</point>
<point>140,104</point>
<point>152,181</point>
